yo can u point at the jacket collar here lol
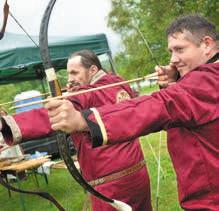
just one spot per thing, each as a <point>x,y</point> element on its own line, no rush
<point>97,76</point>
<point>214,59</point>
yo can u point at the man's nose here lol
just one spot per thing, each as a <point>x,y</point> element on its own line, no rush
<point>174,58</point>
<point>70,79</point>
<point>70,82</point>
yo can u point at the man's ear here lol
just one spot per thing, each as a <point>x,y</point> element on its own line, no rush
<point>209,44</point>
<point>93,69</point>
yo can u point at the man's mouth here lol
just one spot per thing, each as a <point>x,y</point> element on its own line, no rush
<point>180,67</point>
<point>72,84</point>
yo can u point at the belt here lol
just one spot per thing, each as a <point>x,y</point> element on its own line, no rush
<point>117,175</point>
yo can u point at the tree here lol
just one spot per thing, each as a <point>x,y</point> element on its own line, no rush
<point>142,21</point>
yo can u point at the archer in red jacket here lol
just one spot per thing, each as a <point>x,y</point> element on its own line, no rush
<point>118,171</point>
<point>188,110</point>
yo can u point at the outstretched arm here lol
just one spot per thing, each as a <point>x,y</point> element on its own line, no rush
<point>185,104</point>
<point>25,126</point>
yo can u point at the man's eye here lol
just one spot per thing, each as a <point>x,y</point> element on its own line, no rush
<point>73,73</point>
<point>180,50</point>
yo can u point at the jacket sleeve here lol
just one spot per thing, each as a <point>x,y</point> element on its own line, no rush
<point>35,123</point>
<point>192,102</point>
<point>26,125</point>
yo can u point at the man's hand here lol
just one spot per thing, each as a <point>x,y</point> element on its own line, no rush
<point>63,116</point>
<point>167,75</point>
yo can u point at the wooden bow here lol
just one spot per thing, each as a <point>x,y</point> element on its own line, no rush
<point>61,137</point>
<point>5,19</point>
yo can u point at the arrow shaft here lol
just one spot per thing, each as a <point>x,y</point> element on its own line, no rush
<point>150,76</point>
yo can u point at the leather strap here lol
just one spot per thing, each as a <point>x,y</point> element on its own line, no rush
<point>118,175</point>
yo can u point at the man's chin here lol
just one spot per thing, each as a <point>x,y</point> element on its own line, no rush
<point>183,71</point>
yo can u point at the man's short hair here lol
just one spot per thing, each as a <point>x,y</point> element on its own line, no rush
<point>197,25</point>
<point>88,58</point>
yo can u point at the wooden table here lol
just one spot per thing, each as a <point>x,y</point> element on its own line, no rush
<point>16,169</point>
<point>25,164</point>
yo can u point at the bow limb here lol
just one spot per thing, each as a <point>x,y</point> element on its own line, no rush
<point>61,137</point>
<point>44,195</point>
<point>6,12</point>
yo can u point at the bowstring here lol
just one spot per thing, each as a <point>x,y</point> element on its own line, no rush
<point>155,156</point>
<point>158,172</point>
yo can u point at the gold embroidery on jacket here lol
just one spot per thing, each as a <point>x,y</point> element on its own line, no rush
<point>122,95</point>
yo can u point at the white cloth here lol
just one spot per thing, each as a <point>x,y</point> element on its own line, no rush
<point>45,168</point>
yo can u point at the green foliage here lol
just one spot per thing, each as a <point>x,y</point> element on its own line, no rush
<point>149,89</point>
<point>150,18</point>
<point>9,91</point>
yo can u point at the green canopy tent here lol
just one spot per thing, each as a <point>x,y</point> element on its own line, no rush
<point>20,61</point>
<point>20,58</point>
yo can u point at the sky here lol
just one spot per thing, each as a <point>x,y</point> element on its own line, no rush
<point>68,18</point>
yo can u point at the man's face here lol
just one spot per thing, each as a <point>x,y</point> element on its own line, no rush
<point>185,53</point>
<point>77,74</point>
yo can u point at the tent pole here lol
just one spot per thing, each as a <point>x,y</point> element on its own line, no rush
<point>111,62</point>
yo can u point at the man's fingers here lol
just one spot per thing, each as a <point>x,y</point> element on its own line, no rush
<point>55,127</point>
<point>63,116</point>
<point>62,125</point>
<point>161,70</point>
<point>58,126</point>
<point>52,113</point>
<point>163,77</point>
<point>60,122</point>
<point>59,117</point>
<point>53,104</point>
<point>163,84</point>
<point>55,119</point>
<point>171,83</point>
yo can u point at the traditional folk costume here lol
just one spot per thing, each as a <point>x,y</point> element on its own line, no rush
<point>189,112</point>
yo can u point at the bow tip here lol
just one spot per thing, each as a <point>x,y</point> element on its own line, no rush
<point>121,206</point>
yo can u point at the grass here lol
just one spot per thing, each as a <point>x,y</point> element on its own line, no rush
<point>72,196</point>
<point>61,186</point>
<point>167,196</point>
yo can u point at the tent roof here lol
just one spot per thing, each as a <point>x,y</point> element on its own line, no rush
<point>20,58</point>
